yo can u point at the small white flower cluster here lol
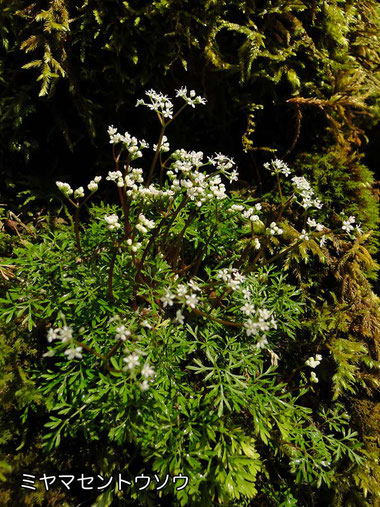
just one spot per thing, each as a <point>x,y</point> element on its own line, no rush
<point>313,378</point>
<point>132,361</point>
<point>122,333</point>
<point>304,236</point>
<point>74,353</point>
<point>263,322</point>
<point>274,229</point>
<point>150,193</point>
<point>131,180</point>
<point>78,193</point>
<point>147,371</point>
<point>65,334</point>
<point>250,214</point>
<point>312,223</point>
<point>144,224</point>
<point>167,299</point>
<point>112,222</point>
<point>64,188</point>
<point>158,102</point>
<point>190,98</point>
<point>232,277</point>
<point>224,164</point>
<point>117,177</point>
<point>277,166</point>
<point>184,174</point>
<point>138,192</point>
<point>186,294</point>
<point>165,146</point>
<point>133,145</point>
<point>134,247</point>
<point>93,185</point>
<point>313,362</point>
<point>306,192</point>
<point>347,224</point>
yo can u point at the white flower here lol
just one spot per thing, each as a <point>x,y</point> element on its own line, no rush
<point>159,103</point>
<point>247,213</point>
<point>64,188</point>
<point>114,136</point>
<point>274,229</point>
<point>144,386</point>
<point>149,224</point>
<point>112,222</point>
<point>49,353</point>
<point>117,177</point>
<point>136,247</point>
<point>359,229</point>
<point>322,240</point>
<point>191,99</point>
<point>248,309</point>
<point>262,342</point>
<point>237,207</point>
<point>347,224</point>
<point>304,236</point>
<point>246,293</point>
<point>167,299</point>
<point>79,192</point>
<point>278,166</point>
<point>313,377</point>
<point>181,290</point>
<point>141,228</point>
<point>92,186</point>
<point>318,227</point>
<point>65,334</point>
<point>258,206</point>
<point>132,361</point>
<point>164,145</point>
<point>122,333</point>
<point>191,300</point>
<point>193,285</point>
<point>250,327</point>
<point>180,318</point>
<point>146,324</point>
<point>313,363</point>
<point>74,353</point>
<point>53,334</point>
<point>234,176</point>
<point>301,184</point>
<point>257,244</point>
<point>147,371</point>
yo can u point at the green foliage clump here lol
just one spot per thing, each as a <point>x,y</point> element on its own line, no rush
<point>178,343</point>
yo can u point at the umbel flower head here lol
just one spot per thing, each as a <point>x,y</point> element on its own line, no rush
<point>112,222</point>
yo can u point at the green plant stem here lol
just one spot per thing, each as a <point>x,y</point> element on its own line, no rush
<point>173,250</point>
<point>91,350</point>
<point>279,188</point>
<point>76,227</point>
<point>174,216</point>
<point>113,351</point>
<point>110,274</point>
<point>215,319</point>
<point>199,258</point>
<point>149,178</point>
